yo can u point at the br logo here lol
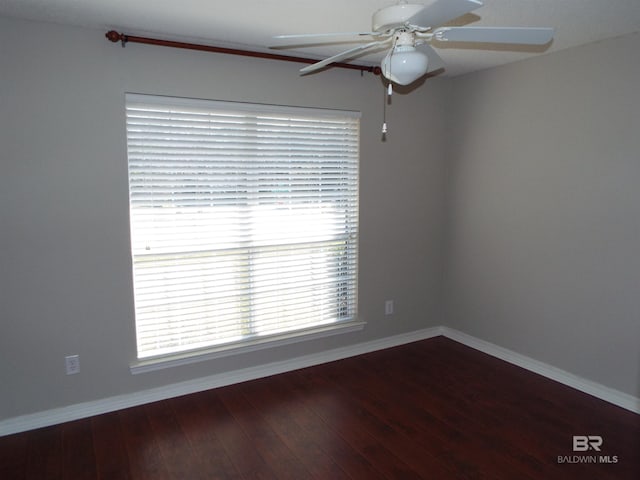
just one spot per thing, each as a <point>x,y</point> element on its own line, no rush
<point>582,443</point>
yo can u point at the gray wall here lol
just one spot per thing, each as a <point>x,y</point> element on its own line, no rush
<point>535,222</point>
<point>64,235</point>
<point>543,237</point>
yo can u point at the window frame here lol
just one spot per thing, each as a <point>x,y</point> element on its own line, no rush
<point>155,362</point>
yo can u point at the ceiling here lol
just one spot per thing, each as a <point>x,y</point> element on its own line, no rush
<point>251,24</point>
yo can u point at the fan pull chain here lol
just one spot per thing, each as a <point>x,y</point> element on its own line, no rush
<point>384,116</point>
<point>387,96</point>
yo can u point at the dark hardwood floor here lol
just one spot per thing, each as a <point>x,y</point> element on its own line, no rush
<point>432,409</point>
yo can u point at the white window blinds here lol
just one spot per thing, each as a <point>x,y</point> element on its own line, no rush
<point>244,221</point>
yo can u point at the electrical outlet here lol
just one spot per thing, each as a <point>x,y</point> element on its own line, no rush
<point>72,363</point>
<point>389,307</point>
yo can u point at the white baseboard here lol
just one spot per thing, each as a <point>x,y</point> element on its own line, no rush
<point>97,407</point>
<point>621,399</point>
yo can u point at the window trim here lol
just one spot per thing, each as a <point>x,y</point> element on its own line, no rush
<point>161,362</point>
<point>242,106</point>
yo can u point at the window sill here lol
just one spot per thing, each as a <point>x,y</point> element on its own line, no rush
<point>196,356</point>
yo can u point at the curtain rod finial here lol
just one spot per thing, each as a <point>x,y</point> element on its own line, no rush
<point>114,37</point>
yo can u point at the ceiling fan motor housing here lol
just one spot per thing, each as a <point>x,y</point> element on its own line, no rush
<point>394,16</point>
<point>403,38</point>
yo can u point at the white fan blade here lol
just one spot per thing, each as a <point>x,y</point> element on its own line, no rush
<point>519,35</point>
<point>441,11</point>
<point>340,56</point>
<point>435,60</point>
<point>323,35</point>
<point>297,40</point>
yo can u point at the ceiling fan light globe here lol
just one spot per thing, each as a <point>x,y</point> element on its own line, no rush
<point>404,65</point>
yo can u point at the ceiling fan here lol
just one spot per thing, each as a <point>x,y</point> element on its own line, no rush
<point>408,29</point>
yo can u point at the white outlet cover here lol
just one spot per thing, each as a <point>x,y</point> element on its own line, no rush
<point>72,364</point>
<point>388,307</point>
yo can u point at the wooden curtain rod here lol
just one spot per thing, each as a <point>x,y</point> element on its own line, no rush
<point>115,37</point>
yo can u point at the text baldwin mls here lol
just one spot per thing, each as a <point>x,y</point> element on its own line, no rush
<point>583,443</point>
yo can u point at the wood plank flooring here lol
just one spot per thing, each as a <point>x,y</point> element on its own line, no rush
<point>432,409</point>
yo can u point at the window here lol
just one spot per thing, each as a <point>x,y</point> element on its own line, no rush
<point>244,222</point>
